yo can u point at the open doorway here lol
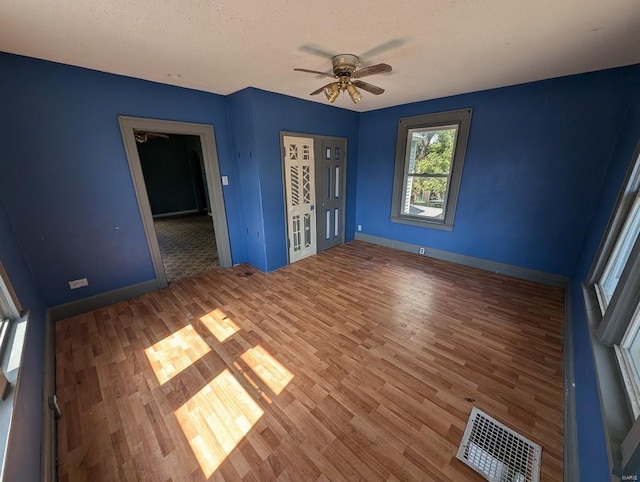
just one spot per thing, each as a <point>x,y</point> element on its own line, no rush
<point>176,184</point>
<point>175,171</point>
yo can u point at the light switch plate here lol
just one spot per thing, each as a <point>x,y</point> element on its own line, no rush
<point>225,180</point>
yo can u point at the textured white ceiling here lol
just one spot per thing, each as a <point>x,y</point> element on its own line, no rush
<point>436,47</point>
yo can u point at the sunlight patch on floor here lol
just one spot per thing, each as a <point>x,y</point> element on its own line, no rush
<point>270,370</point>
<point>216,419</point>
<point>220,326</point>
<point>176,352</point>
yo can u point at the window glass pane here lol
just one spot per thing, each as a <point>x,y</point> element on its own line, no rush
<point>431,150</point>
<point>327,176</point>
<point>634,353</point>
<point>628,354</point>
<point>327,231</point>
<point>425,196</point>
<point>9,304</point>
<point>621,252</point>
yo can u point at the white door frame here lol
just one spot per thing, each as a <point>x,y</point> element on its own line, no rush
<point>214,184</point>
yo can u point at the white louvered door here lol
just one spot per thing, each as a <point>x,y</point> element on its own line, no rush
<point>300,192</point>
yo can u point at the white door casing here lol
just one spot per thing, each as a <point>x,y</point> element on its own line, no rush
<point>299,174</point>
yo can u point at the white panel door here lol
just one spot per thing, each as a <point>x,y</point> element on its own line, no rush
<point>300,191</point>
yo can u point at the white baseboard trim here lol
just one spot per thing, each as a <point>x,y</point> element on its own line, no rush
<point>73,308</point>
<point>175,213</point>
<point>487,265</point>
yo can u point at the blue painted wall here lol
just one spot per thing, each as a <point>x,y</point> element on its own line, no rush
<point>248,177</point>
<point>536,157</point>
<point>23,455</point>
<point>273,113</point>
<point>65,172</point>
<point>592,450</point>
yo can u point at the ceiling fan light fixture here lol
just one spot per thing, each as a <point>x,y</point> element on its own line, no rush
<point>332,91</point>
<point>347,77</point>
<point>354,93</point>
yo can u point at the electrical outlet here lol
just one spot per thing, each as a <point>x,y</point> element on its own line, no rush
<point>421,251</point>
<point>78,283</point>
<point>359,227</point>
<point>225,180</point>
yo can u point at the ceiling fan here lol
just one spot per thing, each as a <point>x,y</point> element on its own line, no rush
<point>346,75</point>
<point>143,136</point>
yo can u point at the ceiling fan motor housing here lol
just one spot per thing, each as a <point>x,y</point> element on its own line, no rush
<point>344,64</point>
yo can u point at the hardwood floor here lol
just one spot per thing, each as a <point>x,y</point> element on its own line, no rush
<point>360,363</point>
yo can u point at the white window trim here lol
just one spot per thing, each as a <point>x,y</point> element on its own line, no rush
<point>462,120</point>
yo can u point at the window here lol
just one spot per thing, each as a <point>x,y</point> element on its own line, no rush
<point>9,305</point>
<point>9,309</point>
<point>628,354</point>
<point>12,335</point>
<point>619,257</point>
<point>612,297</point>
<point>429,157</point>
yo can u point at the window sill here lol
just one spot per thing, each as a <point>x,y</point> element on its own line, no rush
<point>424,223</point>
<point>11,363</point>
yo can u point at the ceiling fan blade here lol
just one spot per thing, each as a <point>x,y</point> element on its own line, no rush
<point>391,44</point>
<point>374,69</point>
<point>316,92</point>
<point>315,72</point>
<point>151,134</point>
<point>374,89</point>
<point>316,50</point>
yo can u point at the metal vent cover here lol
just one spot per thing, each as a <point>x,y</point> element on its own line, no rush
<point>497,452</point>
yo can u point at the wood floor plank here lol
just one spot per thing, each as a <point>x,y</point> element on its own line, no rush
<point>360,363</point>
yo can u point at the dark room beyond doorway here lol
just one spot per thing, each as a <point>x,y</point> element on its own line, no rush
<point>176,185</point>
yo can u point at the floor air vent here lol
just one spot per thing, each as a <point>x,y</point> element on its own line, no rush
<point>497,452</point>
